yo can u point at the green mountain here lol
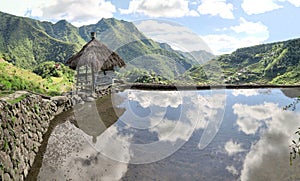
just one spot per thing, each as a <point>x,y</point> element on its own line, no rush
<point>137,50</point>
<point>26,42</point>
<point>198,57</point>
<point>275,63</point>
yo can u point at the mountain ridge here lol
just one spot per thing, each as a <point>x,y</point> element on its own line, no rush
<point>31,42</point>
<point>27,43</point>
<point>271,63</point>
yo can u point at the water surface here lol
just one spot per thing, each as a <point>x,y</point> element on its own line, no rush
<point>240,134</point>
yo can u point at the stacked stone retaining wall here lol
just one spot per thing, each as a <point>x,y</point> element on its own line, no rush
<point>22,126</point>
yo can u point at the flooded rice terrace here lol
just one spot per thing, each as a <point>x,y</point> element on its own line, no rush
<point>230,135</point>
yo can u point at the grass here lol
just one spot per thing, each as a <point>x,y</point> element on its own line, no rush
<point>13,78</point>
<point>5,93</point>
<point>13,101</point>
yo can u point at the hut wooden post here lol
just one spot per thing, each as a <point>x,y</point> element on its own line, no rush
<point>86,77</point>
<point>77,81</point>
<point>93,80</point>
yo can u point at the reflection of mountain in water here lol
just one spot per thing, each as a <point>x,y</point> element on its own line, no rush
<point>292,93</point>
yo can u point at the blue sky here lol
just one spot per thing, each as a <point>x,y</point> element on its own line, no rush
<point>224,25</point>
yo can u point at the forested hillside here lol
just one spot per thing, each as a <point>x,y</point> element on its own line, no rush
<point>26,43</point>
<point>275,63</point>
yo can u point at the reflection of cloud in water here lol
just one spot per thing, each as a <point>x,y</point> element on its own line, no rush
<point>250,92</point>
<point>232,147</point>
<point>159,98</point>
<point>70,157</point>
<point>245,92</point>
<point>269,157</point>
<point>119,144</point>
<point>167,132</point>
<point>213,113</point>
<point>172,131</point>
<point>231,169</point>
<point>249,120</point>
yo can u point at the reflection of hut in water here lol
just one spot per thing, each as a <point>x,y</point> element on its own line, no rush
<point>95,117</point>
<point>88,119</point>
<point>94,64</point>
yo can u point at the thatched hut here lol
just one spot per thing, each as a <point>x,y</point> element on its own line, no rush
<point>94,64</point>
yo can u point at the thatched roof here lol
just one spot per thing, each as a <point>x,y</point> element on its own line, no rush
<point>96,55</point>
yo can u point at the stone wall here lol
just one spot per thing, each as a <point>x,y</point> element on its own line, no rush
<point>22,126</point>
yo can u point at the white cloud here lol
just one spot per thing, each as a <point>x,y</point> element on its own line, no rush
<point>14,7</point>
<point>179,37</point>
<point>216,8</point>
<point>159,8</point>
<point>78,12</point>
<point>259,6</point>
<point>294,2</point>
<point>75,11</point>
<point>250,28</point>
<point>194,3</point>
<point>243,35</point>
<point>232,147</point>
<point>221,43</point>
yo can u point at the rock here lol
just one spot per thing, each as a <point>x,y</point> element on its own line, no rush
<point>40,135</point>
<point>18,177</point>
<point>31,158</point>
<point>18,105</point>
<point>18,141</point>
<point>90,99</point>
<point>15,111</point>
<point>30,135</point>
<point>35,137</point>
<point>22,165</point>
<point>59,110</point>
<point>6,133</point>
<point>60,100</point>
<point>28,143</point>
<point>6,177</point>
<point>12,173</point>
<point>5,160</point>
<point>54,109</point>
<point>44,125</point>
<point>15,163</point>
<point>25,172</point>
<point>24,152</point>
<point>36,146</point>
